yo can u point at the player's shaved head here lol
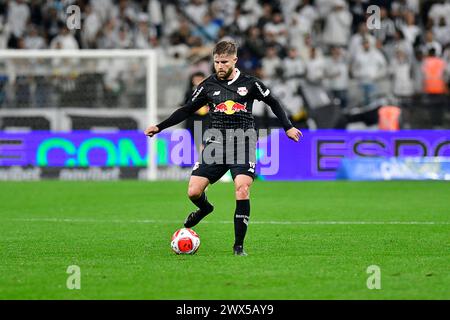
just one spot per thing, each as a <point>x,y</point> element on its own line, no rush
<point>225,47</point>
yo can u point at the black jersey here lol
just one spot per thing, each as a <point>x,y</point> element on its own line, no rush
<point>230,103</point>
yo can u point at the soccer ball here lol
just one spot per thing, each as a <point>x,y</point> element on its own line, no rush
<point>185,241</point>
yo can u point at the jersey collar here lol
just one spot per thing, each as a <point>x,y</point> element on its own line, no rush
<point>238,73</point>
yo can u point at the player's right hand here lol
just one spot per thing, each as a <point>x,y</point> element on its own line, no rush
<point>151,131</point>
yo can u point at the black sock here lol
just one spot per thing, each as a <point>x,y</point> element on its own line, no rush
<point>241,216</point>
<point>203,204</point>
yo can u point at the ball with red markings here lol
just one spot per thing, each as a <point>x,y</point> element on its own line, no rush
<point>185,241</point>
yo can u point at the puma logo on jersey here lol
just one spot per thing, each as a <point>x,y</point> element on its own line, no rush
<point>216,93</point>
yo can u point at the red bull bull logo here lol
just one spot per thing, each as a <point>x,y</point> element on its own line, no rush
<point>230,107</point>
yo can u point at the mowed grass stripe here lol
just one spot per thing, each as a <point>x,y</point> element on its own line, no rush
<point>230,222</point>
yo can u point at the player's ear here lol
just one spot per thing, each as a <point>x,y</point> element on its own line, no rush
<point>235,59</point>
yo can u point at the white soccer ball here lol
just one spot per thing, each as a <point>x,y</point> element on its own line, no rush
<point>185,241</point>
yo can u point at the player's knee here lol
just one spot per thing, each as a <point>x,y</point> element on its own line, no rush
<point>194,192</point>
<point>242,191</point>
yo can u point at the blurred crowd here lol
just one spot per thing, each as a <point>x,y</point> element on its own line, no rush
<point>334,44</point>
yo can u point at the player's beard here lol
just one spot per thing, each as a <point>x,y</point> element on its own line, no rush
<point>226,75</point>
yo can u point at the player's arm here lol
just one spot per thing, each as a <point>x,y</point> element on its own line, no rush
<point>264,94</point>
<point>198,100</point>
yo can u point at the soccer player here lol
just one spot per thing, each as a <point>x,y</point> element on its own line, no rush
<point>230,95</point>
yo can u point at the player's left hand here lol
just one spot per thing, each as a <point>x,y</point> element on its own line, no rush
<point>294,134</point>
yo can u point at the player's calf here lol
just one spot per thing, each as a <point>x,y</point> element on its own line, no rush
<point>205,208</point>
<point>241,218</point>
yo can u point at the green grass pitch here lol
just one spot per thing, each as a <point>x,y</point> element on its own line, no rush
<point>306,240</point>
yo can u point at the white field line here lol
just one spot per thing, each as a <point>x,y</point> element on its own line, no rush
<point>72,220</point>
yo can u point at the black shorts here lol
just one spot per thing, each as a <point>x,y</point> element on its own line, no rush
<point>219,156</point>
<point>213,172</point>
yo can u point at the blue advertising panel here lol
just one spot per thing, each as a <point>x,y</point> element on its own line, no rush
<point>317,157</point>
